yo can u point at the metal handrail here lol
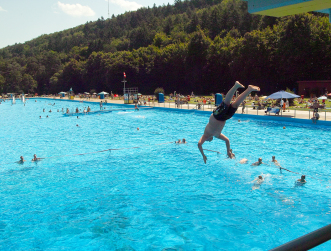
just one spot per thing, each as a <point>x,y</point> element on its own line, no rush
<point>307,241</point>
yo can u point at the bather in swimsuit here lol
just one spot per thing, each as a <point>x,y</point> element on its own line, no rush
<point>224,112</point>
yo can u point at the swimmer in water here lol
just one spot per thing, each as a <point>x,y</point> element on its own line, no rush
<point>257,182</point>
<point>259,162</point>
<point>184,141</point>
<point>178,142</point>
<point>243,161</point>
<point>219,116</point>
<point>274,160</point>
<point>35,158</point>
<point>302,180</point>
<point>21,161</point>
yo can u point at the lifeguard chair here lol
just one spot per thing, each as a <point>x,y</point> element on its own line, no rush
<point>71,94</point>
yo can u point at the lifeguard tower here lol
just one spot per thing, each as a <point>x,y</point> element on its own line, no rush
<point>130,95</point>
<point>280,8</point>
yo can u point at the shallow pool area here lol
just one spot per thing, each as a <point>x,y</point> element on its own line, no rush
<point>149,193</point>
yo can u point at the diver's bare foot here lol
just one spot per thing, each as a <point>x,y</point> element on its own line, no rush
<point>239,85</point>
<point>253,88</point>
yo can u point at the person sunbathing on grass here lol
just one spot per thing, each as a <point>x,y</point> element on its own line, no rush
<point>219,116</point>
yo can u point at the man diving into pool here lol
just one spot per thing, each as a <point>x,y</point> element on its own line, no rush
<point>222,113</point>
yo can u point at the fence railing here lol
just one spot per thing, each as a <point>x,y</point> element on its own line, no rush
<point>307,241</point>
<point>325,114</point>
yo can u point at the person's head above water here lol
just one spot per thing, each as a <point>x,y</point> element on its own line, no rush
<point>273,158</point>
<point>260,160</point>
<point>260,177</point>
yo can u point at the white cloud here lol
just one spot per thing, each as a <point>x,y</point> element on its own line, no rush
<point>126,5</point>
<point>76,10</point>
<point>1,9</point>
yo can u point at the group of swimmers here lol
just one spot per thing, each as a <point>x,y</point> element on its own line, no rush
<point>260,178</point>
<point>84,111</point>
<point>22,160</point>
<point>181,142</point>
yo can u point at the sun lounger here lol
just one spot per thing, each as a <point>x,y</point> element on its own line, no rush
<point>273,110</point>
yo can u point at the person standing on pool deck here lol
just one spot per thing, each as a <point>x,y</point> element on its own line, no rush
<point>219,116</point>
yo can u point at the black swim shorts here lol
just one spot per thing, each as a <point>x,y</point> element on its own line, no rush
<point>224,112</point>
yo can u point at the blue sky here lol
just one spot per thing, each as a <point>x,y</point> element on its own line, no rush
<point>23,20</point>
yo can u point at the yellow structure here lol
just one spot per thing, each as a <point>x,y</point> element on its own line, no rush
<point>280,8</point>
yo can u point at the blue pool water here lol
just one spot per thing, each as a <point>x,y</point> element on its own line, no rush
<point>158,196</point>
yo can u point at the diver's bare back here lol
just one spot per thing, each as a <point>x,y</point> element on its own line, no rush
<point>214,127</point>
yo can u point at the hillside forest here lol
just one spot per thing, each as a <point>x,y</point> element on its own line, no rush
<point>199,45</point>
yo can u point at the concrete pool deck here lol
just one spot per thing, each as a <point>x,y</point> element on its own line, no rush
<point>291,115</point>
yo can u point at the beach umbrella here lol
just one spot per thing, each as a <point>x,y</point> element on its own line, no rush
<point>323,97</point>
<point>282,94</point>
<point>329,94</point>
<point>264,97</point>
<point>94,93</point>
<point>62,92</point>
<point>103,93</point>
<point>86,93</point>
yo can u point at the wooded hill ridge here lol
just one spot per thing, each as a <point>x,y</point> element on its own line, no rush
<point>199,45</point>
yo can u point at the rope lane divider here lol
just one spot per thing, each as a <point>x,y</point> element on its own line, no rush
<point>101,111</point>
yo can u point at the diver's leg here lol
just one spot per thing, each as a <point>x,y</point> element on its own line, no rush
<point>231,92</point>
<point>242,96</point>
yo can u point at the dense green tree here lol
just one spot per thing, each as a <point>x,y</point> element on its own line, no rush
<point>198,45</point>
<point>28,84</point>
<point>2,83</point>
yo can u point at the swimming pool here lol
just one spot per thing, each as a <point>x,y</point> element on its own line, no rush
<point>159,196</point>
